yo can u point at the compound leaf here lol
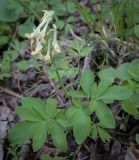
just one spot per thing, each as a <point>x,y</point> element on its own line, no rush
<point>104,136</point>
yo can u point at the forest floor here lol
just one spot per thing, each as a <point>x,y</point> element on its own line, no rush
<point>108,48</point>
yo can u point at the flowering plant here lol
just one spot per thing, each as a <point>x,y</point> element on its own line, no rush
<point>39,35</point>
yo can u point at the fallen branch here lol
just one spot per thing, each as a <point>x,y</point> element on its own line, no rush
<point>6,90</point>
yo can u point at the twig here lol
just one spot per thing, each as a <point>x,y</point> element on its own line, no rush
<point>111,51</point>
<point>29,89</point>
<point>10,92</point>
<point>76,152</point>
<point>86,63</point>
<point>54,87</point>
<point>18,81</point>
<point>60,80</point>
<point>74,35</point>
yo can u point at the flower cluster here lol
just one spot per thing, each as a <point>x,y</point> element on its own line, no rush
<point>38,36</point>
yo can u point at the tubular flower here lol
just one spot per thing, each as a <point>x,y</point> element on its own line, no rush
<point>47,57</point>
<point>54,42</point>
<point>38,48</point>
<point>38,35</point>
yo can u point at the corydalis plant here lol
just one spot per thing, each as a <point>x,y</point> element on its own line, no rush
<point>39,36</point>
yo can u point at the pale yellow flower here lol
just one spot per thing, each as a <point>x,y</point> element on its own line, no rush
<point>57,48</point>
<point>47,17</point>
<point>37,49</point>
<point>29,36</point>
<point>38,36</point>
<point>47,57</point>
<point>54,42</point>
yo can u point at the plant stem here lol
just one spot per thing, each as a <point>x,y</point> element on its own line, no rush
<point>60,80</point>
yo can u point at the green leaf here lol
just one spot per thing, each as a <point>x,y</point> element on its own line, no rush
<point>79,48</point>
<point>72,52</point>
<point>135,61</point>
<point>68,73</point>
<point>26,27</point>
<point>104,136</point>
<point>10,11</point>
<point>59,137</point>
<point>86,81</point>
<point>77,45</point>
<point>70,19</point>
<point>135,100</point>
<point>71,112</point>
<point>3,40</point>
<point>94,91</point>
<point>4,75</point>
<point>117,93</point>
<point>32,102</point>
<point>71,7</point>
<point>133,85</point>
<point>37,104</point>
<point>21,132</point>
<point>68,27</point>
<point>26,64</point>
<point>60,23</point>
<point>20,46</point>
<point>60,10</point>
<point>46,157</point>
<point>77,94</point>
<point>85,14</point>
<point>130,108</point>
<point>108,75</point>
<point>32,109</point>
<point>39,135</point>
<point>63,121</point>
<point>122,71</point>
<point>11,55</point>
<point>94,132</point>
<point>133,71</point>
<point>29,114</point>
<point>51,107</point>
<point>26,130</point>
<point>81,126</point>
<point>5,66</point>
<point>77,102</point>
<point>102,87</point>
<point>86,51</point>
<point>104,114</point>
<point>136,30</point>
<point>4,69</point>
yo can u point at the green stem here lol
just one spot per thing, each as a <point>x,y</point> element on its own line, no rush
<point>60,80</point>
